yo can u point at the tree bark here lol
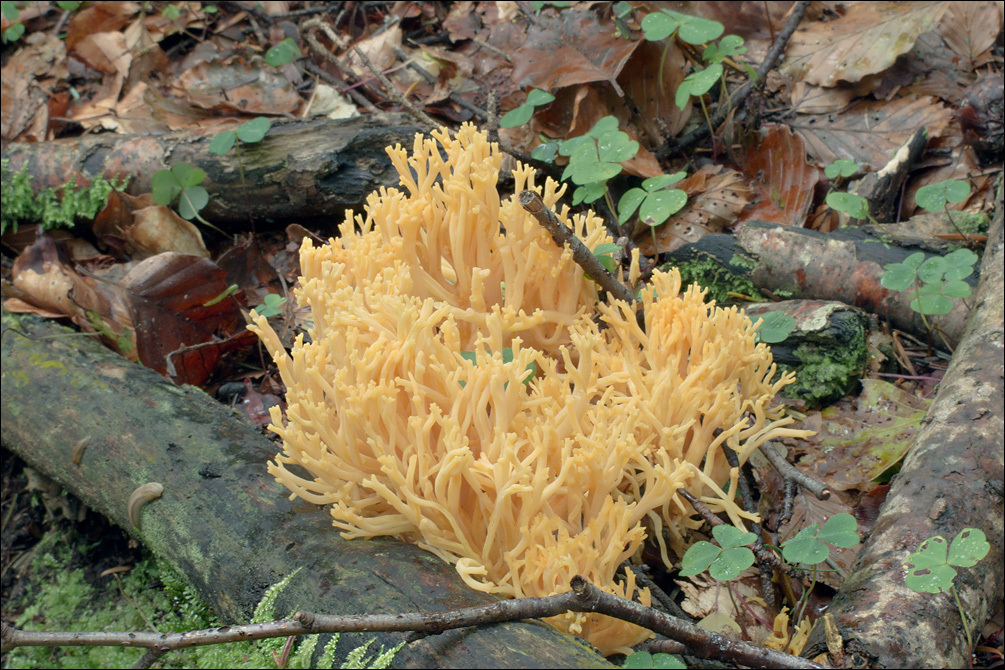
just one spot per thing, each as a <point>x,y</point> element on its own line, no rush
<point>307,172</point>
<point>843,266</point>
<point>222,520</point>
<point>953,478</point>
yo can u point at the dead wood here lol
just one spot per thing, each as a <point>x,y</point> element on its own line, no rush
<point>952,479</point>
<point>843,266</point>
<point>306,172</point>
<point>221,519</point>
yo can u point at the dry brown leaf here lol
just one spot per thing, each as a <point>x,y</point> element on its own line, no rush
<point>24,112</point>
<point>864,41</point>
<point>970,29</point>
<point>704,595</point>
<point>164,304</point>
<point>871,130</point>
<point>379,49</point>
<point>649,81</point>
<point>237,86</point>
<point>779,172</point>
<point>568,48</point>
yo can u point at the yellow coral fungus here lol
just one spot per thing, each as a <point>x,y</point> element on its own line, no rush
<point>456,391</point>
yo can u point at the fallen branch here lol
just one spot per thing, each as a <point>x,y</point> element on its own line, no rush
<point>584,597</point>
<point>951,479</point>
<point>562,236</point>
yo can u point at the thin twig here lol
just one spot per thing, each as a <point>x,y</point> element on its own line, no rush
<point>789,471</point>
<point>790,495</point>
<point>322,52</point>
<point>496,50</point>
<point>741,94</point>
<point>584,597</point>
<point>767,588</point>
<point>430,79</point>
<point>532,202</point>
<point>389,87</point>
<point>395,94</point>
<point>666,647</point>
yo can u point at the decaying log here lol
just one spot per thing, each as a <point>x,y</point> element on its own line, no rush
<point>843,266</point>
<point>221,519</point>
<point>306,172</point>
<point>828,348</point>
<point>952,479</point>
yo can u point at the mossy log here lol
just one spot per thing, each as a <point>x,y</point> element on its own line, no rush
<point>827,348</point>
<point>843,266</point>
<point>222,520</point>
<point>307,172</point>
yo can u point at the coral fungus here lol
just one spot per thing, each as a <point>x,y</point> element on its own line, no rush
<point>464,388</point>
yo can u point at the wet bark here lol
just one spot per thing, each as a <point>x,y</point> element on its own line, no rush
<point>222,520</point>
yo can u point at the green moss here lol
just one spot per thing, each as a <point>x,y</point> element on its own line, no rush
<point>826,374</point>
<point>150,596</point>
<point>971,223</point>
<point>720,282</point>
<point>51,207</point>
<point>61,599</point>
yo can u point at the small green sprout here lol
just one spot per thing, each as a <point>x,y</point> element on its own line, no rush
<point>775,327</point>
<point>249,133</point>
<point>11,12</point>
<point>643,660</point>
<point>229,291</point>
<point>655,201</point>
<point>538,5</point>
<point>597,156</point>
<point>691,29</point>
<point>934,197</point>
<point>841,168</point>
<point>851,204</point>
<point>727,47</point>
<point>272,306</point>
<point>725,563</point>
<point>930,569</point>
<point>807,546</point>
<point>521,115</point>
<point>283,53</point>
<point>935,280</point>
<point>181,181</point>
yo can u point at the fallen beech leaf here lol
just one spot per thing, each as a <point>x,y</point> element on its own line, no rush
<point>870,131</point>
<point>24,113</point>
<point>779,172</point>
<point>864,41</point>
<point>158,229</point>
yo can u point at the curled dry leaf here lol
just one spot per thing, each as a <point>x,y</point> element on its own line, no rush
<point>145,229</point>
<point>163,304</point>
